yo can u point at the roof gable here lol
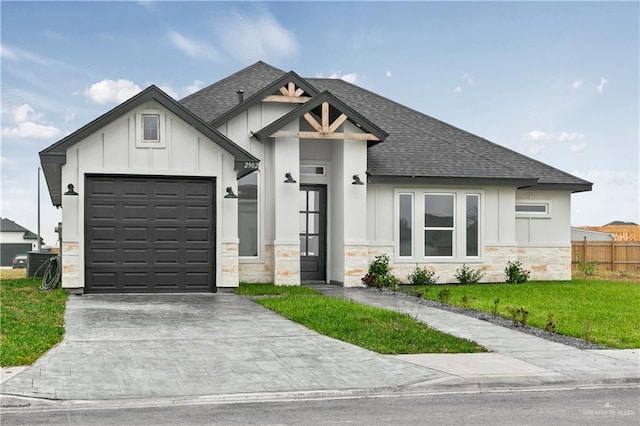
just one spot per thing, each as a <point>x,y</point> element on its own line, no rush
<point>290,87</point>
<point>53,157</point>
<point>319,106</point>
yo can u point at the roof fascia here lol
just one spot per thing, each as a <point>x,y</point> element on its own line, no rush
<point>256,98</point>
<point>573,187</point>
<point>325,96</point>
<point>452,180</point>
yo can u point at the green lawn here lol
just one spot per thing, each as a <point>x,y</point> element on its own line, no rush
<point>31,320</point>
<point>372,328</point>
<point>605,312</point>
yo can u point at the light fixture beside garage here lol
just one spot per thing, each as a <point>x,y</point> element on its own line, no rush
<point>230,193</point>
<point>70,190</point>
<point>356,180</point>
<point>289,178</point>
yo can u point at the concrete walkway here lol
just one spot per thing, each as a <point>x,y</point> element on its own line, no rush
<point>516,358</point>
<point>176,346</point>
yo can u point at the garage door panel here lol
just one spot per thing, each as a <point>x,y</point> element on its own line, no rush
<point>103,234</point>
<point>150,234</point>
<point>104,256</point>
<point>134,212</point>
<point>132,257</point>
<point>135,234</point>
<point>195,213</point>
<point>102,212</point>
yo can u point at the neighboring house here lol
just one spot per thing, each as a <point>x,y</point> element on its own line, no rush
<point>580,234</point>
<point>266,176</point>
<point>15,239</point>
<point>621,231</point>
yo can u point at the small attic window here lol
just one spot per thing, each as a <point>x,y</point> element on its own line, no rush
<point>150,127</point>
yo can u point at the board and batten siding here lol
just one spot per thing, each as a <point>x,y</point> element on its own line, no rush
<point>114,150</point>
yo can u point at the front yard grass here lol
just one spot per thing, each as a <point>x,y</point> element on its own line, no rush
<point>603,312</point>
<point>376,329</point>
<point>31,320</point>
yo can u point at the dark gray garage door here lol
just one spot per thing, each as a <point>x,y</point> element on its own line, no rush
<point>149,234</point>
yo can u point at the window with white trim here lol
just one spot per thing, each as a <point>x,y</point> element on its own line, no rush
<point>248,215</point>
<point>532,208</point>
<point>438,225</point>
<point>150,127</point>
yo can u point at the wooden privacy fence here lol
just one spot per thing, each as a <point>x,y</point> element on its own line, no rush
<point>609,255</point>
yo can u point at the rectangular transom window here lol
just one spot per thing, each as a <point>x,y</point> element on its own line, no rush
<point>540,208</point>
<point>312,170</point>
<point>150,127</point>
<point>438,224</point>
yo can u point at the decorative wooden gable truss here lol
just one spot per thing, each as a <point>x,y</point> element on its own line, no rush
<point>325,114</point>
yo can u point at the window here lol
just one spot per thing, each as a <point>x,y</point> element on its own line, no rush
<point>248,215</point>
<point>432,226</point>
<point>533,208</point>
<point>438,224</point>
<point>473,229</point>
<point>405,225</point>
<point>312,170</point>
<point>150,127</point>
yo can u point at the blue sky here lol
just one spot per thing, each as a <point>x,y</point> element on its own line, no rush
<point>558,81</point>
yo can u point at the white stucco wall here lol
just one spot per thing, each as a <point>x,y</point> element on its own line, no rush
<point>114,150</point>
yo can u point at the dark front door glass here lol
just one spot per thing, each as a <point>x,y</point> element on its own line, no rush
<point>313,219</point>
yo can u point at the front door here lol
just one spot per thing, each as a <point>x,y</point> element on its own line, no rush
<point>313,232</point>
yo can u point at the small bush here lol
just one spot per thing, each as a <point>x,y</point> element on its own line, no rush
<point>422,291</point>
<point>587,268</point>
<point>519,316</point>
<point>494,309</point>
<point>466,275</point>
<point>516,273</point>
<point>379,275</point>
<point>550,326</point>
<point>422,276</point>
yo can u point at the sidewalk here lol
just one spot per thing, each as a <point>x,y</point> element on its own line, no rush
<point>516,359</point>
<point>179,347</point>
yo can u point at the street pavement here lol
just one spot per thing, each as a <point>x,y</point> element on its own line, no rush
<point>179,346</point>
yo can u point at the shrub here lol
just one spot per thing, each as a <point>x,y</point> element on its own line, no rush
<point>379,275</point>
<point>443,295</point>
<point>422,276</point>
<point>466,275</point>
<point>587,268</point>
<point>516,273</point>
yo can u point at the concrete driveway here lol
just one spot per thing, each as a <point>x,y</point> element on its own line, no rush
<point>140,346</point>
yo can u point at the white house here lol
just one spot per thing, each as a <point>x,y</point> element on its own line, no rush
<point>266,176</point>
<point>15,239</point>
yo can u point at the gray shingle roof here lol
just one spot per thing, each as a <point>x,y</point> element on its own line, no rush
<point>7,225</point>
<point>419,148</point>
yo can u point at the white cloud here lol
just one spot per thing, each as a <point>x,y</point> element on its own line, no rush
<point>112,91</point>
<point>30,130</point>
<point>25,124</point>
<point>577,84</point>
<point>192,48</point>
<point>571,137</point>
<point>169,91</point>
<point>349,77</point>
<point>618,178</point>
<point>457,89</point>
<point>603,82</point>
<point>192,88</point>
<point>536,136</point>
<point>540,140</point>
<point>388,74</point>
<point>254,37</point>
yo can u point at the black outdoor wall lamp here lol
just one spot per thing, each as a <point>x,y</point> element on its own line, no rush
<point>289,178</point>
<point>356,180</point>
<point>230,193</point>
<point>70,190</point>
